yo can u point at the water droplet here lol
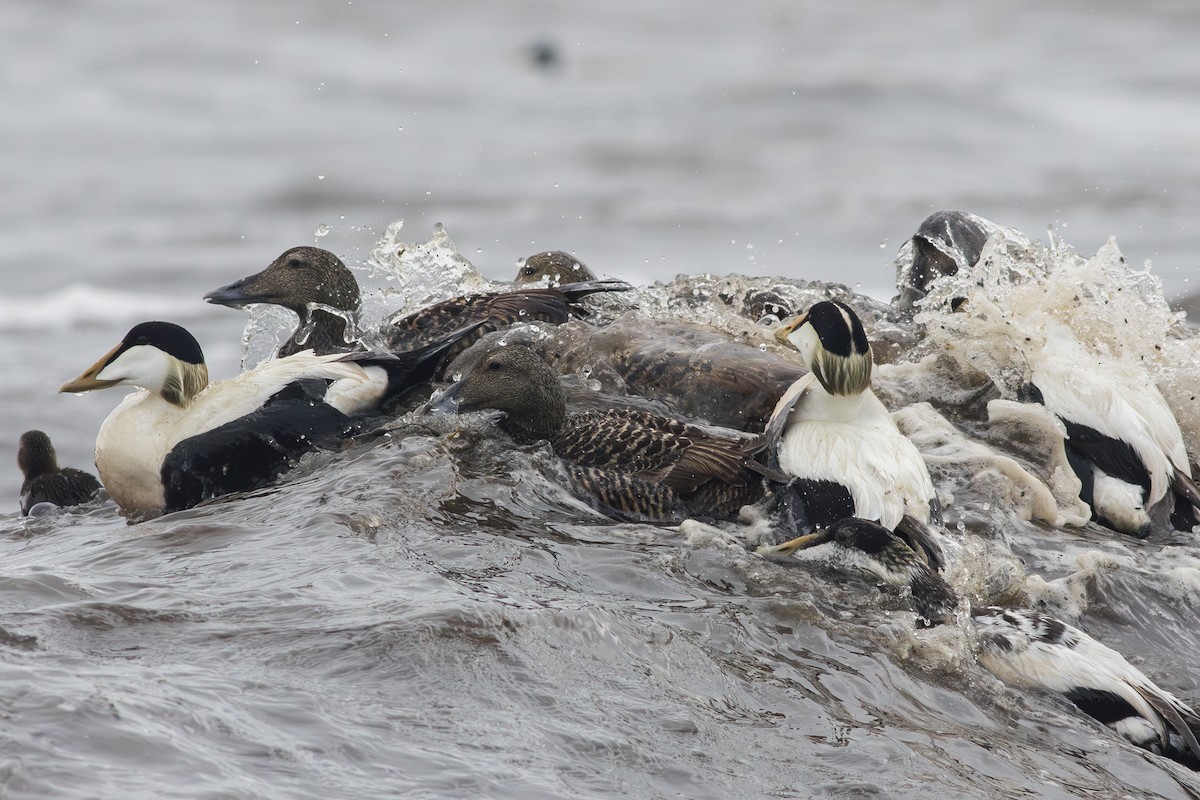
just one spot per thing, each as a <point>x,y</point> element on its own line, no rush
<point>322,230</point>
<point>883,244</point>
<point>522,313</point>
<point>320,177</point>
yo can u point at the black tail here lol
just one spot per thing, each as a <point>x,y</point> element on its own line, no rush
<point>411,368</point>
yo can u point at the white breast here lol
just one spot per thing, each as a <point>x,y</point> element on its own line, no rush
<point>863,451</point>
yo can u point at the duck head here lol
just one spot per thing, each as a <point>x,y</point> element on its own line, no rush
<point>35,454</point>
<point>159,356</point>
<point>834,346</point>
<point>296,280</point>
<point>517,381</point>
<point>555,265</point>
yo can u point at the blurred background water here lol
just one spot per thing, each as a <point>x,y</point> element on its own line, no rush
<point>154,151</point>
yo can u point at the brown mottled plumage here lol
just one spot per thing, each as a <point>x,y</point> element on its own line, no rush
<point>632,463</point>
<point>302,279</point>
<point>45,481</point>
<point>496,309</point>
<point>696,370</point>
<point>555,266</point>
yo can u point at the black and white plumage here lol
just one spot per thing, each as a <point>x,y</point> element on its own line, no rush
<point>181,440</point>
<point>1022,648</point>
<point>45,481</point>
<point>1123,441</point>
<point>556,266</point>
<point>838,442</point>
<point>1031,650</point>
<point>628,463</point>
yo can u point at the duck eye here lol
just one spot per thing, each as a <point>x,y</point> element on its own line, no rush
<point>494,365</point>
<point>528,271</point>
<point>295,263</point>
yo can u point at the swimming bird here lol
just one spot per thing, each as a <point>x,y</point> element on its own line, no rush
<point>181,440</point>
<point>836,439</point>
<point>1022,648</point>
<point>944,242</point>
<point>631,464</point>
<point>323,292</point>
<point>45,481</point>
<point>1123,441</point>
<point>313,283</point>
<point>698,371</point>
<point>556,266</point>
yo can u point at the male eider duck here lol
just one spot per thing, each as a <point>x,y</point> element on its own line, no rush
<point>1022,648</point>
<point>556,266</point>
<point>322,291</point>
<point>313,283</point>
<point>632,464</point>
<point>836,439</point>
<point>45,481</point>
<point>1123,441</point>
<point>181,440</point>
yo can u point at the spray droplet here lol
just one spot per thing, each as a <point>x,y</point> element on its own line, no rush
<point>322,230</point>
<point>320,177</point>
<point>883,244</point>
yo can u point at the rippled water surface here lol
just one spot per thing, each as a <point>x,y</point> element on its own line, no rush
<point>430,615</point>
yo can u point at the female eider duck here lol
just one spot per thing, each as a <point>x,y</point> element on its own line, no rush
<point>836,439</point>
<point>944,242</point>
<point>45,481</point>
<point>1022,648</point>
<point>555,266</point>
<point>317,286</point>
<point>632,464</point>
<point>181,440</point>
<point>1123,442</point>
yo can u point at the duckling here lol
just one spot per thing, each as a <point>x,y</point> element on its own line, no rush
<point>836,439</point>
<point>45,481</point>
<point>181,440</point>
<point>632,464</point>
<point>1022,648</point>
<point>1123,441</point>
<point>556,266</point>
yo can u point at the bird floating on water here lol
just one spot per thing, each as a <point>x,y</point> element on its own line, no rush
<point>630,463</point>
<point>181,440</point>
<point>45,481</point>
<point>837,441</point>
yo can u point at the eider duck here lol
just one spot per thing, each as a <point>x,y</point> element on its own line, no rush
<point>944,242</point>
<point>556,266</point>
<point>314,283</point>
<point>1123,441</point>
<point>630,463</point>
<point>45,481</point>
<point>837,441</point>
<point>181,440</point>
<point>1022,648</point>
<point>696,370</point>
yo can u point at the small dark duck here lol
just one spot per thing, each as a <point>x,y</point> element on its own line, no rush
<point>45,481</point>
<point>632,464</point>
<point>556,266</point>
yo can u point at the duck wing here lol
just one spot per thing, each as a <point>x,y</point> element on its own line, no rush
<point>67,487</point>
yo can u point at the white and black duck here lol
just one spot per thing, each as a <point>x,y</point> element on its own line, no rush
<point>181,440</point>
<point>1023,648</point>
<point>628,463</point>
<point>323,292</point>
<point>47,482</point>
<point>838,443</point>
<point>1123,440</point>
